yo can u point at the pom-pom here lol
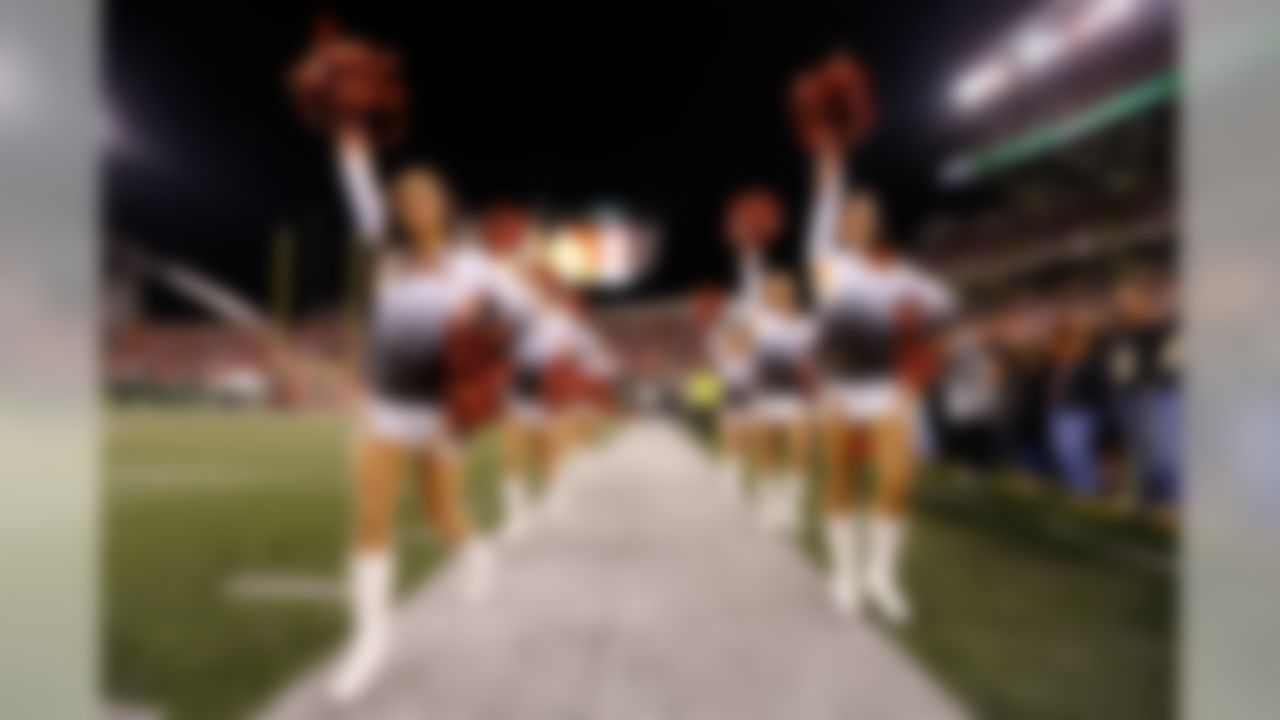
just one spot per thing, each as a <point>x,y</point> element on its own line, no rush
<point>504,228</point>
<point>343,82</point>
<point>754,219</point>
<point>832,105</point>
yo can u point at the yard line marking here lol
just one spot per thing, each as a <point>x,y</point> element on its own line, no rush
<point>178,477</point>
<point>285,587</point>
<point>118,710</point>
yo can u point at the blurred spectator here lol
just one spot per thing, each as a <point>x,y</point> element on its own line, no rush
<point>1078,398</point>
<point>1025,374</point>
<point>969,398</point>
<point>1144,369</point>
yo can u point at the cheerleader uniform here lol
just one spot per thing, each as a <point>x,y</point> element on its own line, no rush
<point>782,347</point>
<point>415,307</point>
<point>735,367</point>
<point>552,335</point>
<point>601,369</point>
<point>860,305</point>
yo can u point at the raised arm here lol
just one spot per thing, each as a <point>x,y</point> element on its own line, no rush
<point>751,273</point>
<point>361,187</point>
<point>821,235</point>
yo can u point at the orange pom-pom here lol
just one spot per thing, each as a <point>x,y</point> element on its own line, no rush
<point>832,104</point>
<point>754,219</point>
<point>343,81</point>
<point>504,228</point>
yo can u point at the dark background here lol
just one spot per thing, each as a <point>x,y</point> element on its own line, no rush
<point>662,108</point>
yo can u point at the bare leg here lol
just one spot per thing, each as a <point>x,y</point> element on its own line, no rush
<point>734,446</point>
<point>444,504</point>
<point>893,456</point>
<point>840,526</point>
<point>446,509</point>
<point>518,476</point>
<point>796,474</point>
<point>766,481</point>
<point>378,467</point>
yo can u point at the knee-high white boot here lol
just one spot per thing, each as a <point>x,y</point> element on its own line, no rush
<point>883,588</point>
<point>369,586</point>
<point>844,581</point>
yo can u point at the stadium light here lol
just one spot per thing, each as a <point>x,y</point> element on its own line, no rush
<point>1037,47</point>
<point>983,83</point>
<point>1103,15</point>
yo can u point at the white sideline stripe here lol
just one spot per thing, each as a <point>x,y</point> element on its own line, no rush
<point>180,476</point>
<point>283,587</point>
<point>117,710</point>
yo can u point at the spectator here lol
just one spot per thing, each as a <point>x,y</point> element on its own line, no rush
<point>1078,399</point>
<point>1025,374</point>
<point>970,400</point>
<point>1144,369</point>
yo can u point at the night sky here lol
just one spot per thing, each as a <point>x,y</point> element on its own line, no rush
<point>661,108</point>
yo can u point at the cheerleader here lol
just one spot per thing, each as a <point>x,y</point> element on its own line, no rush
<point>731,353</point>
<point>782,343</point>
<point>422,292</point>
<point>587,363</point>
<point>600,370</point>
<point>866,298</point>
<point>536,435</point>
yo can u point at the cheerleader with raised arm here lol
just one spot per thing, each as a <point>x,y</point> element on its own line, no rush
<point>425,289</point>
<point>428,288</point>
<point>782,344</point>
<point>870,303</point>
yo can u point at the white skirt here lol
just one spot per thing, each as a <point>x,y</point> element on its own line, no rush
<point>414,425</point>
<point>528,412</point>
<point>780,407</point>
<point>863,400</point>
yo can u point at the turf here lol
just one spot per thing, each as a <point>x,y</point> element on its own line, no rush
<point>1026,609</point>
<point>1031,608</point>
<point>197,498</point>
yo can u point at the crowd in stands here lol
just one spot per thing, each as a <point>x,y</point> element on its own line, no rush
<point>1079,387</point>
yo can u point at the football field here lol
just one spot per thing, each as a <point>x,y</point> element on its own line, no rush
<point>225,537</point>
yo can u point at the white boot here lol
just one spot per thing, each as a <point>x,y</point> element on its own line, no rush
<point>882,570</point>
<point>478,566</point>
<point>842,549</point>
<point>369,579</point>
<point>516,501</point>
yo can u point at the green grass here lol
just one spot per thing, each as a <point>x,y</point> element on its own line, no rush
<point>1031,608</point>
<point>1027,608</point>
<point>196,498</point>
<point>1023,629</point>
